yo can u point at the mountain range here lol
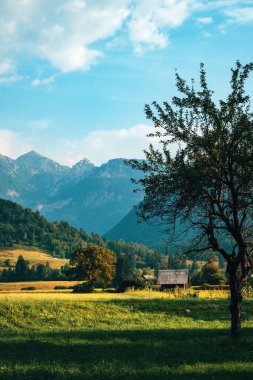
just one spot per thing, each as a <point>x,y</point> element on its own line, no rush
<point>91,197</point>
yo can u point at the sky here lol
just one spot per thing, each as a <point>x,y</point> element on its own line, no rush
<point>75,75</point>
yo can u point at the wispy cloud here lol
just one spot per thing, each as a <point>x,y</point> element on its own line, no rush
<point>8,72</point>
<point>101,146</point>
<point>41,123</point>
<point>7,66</point>
<point>241,15</point>
<point>10,79</point>
<point>205,20</point>
<point>45,81</point>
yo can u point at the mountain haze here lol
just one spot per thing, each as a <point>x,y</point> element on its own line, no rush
<point>87,196</point>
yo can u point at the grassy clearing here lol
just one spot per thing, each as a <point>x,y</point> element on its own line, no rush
<point>33,255</point>
<point>138,335</point>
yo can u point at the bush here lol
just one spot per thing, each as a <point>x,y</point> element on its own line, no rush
<point>138,283</point>
<point>62,287</point>
<point>29,288</point>
<point>83,288</point>
<point>247,291</point>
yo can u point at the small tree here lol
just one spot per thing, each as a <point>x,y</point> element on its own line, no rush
<point>94,264</point>
<point>21,269</point>
<point>208,185</point>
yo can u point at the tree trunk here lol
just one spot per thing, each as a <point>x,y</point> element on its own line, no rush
<point>235,302</point>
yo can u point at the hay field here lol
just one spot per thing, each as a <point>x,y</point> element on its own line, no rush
<point>40,286</point>
<point>33,255</point>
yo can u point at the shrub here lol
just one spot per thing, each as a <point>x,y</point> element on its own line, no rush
<point>29,288</point>
<point>138,283</point>
<point>247,291</point>
<point>83,288</point>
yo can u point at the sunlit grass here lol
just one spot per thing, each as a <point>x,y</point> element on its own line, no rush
<point>136,335</point>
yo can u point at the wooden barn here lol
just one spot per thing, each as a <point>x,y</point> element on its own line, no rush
<point>171,278</point>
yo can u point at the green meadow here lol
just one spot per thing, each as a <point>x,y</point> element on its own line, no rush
<point>129,336</point>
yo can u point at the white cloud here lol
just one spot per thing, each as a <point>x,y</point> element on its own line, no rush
<point>66,33</point>
<point>205,20</point>
<point>151,19</point>
<point>241,15</point>
<point>40,82</point>
<point>6,66</point>
<point>12,144</point>
<point>61,33</point>
<point>8,72</point>
<point>101,146</point>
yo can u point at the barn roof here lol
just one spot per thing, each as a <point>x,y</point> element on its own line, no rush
<point>173,277</point>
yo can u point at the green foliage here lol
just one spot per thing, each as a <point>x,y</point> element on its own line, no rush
<point>210,273</point>
<point>124,270</point>
<point>60,239</point>
<point>21,269</point>
<point>23,226</point>
<point>207,186</point>
<point>83,288</point>
<point>29,288</point>
<point>137,283</point>
<point>39,272</point>
<point>94,264</point>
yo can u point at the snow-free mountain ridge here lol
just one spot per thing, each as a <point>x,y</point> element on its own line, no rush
<point>90,197</point>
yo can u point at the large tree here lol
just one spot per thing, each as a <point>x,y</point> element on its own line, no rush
<point>208,184</point>
<point>94,264</point>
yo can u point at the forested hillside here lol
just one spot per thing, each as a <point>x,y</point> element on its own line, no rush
<point>20,225</point>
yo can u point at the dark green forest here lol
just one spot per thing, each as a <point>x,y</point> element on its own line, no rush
<point>20,225</point>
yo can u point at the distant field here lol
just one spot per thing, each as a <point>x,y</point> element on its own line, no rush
<point>40,286</point>
<point>33,255</point>
<point>48,286</point>
<point>137,335</point>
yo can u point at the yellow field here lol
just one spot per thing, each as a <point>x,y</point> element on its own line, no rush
<point>33,255</point>
<point>40,286</point>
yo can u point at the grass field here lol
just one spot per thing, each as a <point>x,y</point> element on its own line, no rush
<point>137,335</point>
<point>33,255</point>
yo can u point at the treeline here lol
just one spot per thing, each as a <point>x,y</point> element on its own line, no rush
<point>39,272</point>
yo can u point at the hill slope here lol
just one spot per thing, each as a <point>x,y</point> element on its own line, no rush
<point>20,225</point>
<point>129,229</point>
<point>34,256</point>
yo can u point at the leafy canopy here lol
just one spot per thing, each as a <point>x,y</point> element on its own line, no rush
<point>94,264</point>
<point>208,183</point>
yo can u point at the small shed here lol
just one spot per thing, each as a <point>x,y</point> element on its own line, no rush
<point>170,278</point>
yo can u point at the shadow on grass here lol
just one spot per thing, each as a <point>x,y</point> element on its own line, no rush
<point>130,354</point>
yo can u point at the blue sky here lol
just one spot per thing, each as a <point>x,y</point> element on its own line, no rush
<point>75,75</point>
